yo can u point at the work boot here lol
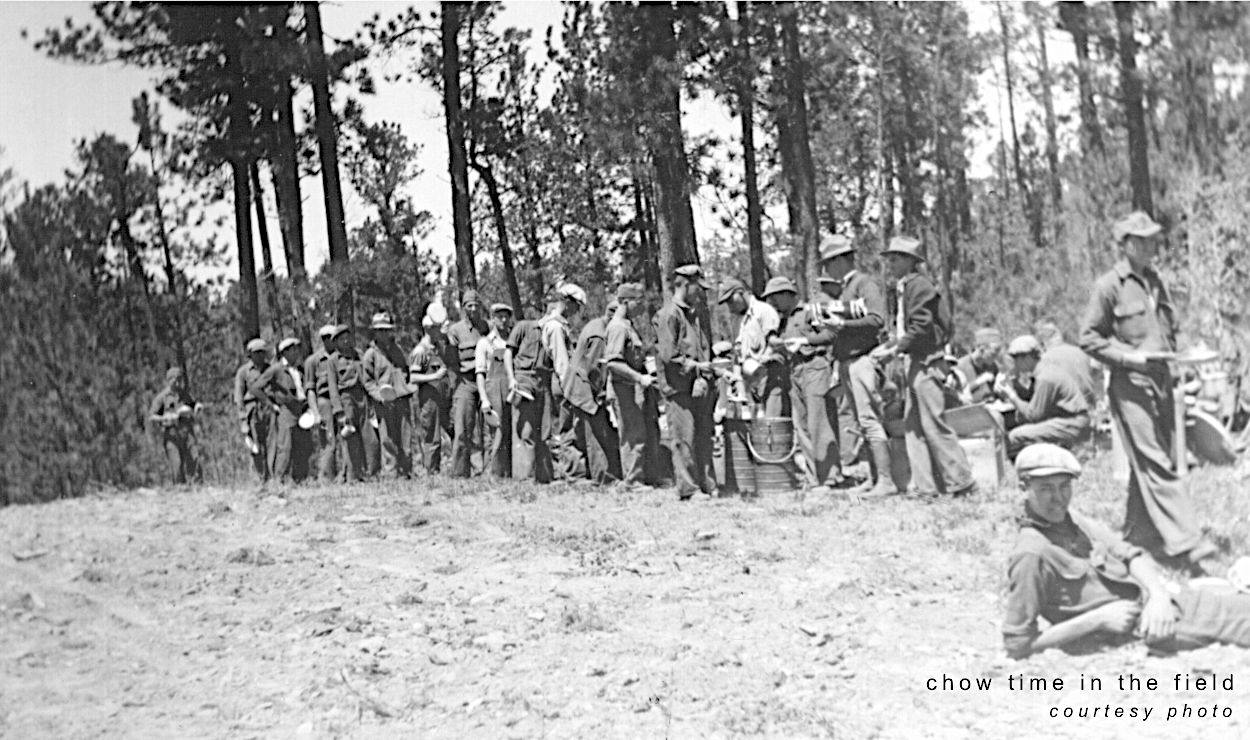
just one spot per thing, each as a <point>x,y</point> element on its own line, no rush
<point>881,468</point>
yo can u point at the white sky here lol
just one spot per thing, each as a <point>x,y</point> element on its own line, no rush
<point>49,104</point>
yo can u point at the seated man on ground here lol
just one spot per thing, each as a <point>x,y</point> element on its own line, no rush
<point>973,375</point>
<point>1059,409</point>
<point>1086,582</point>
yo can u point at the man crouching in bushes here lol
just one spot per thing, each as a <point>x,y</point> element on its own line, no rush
<point>1087,582</point>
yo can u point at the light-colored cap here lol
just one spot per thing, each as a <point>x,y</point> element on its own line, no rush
<point>572,292</point>
<point>906,245</point>
<point>986,335</point>
<point>287,343</point>
<point>835,245</point>
<point>780,284</point>
<point>382,320</point>
<point>1137,223</point>
<point>691,272</point>
<point>630,292</point>
<point>722,348</point>
<point>257,345</point>
<point>501,308</point>
<point>340,330</point>
<point>326,331</point>
<point>1045,458</point>
<point>729,287</point>
<point>435,315</point>
<point>1026,344</point>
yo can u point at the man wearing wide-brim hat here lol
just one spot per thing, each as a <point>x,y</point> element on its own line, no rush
<point>254,419</point>
<point>281,388</point>
<point>317,371</point>
<point>684,358</point>
<point>1130,327</point>
<point>920,325</point>
<point>385,373</point>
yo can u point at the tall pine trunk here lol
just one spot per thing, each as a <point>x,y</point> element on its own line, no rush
<point>266,254</point>
<point>1052,137</point>
<point>501,232</point>
<point>746,111</point>
<point>801,176</point>
<point>457,159</point>
<point>249,303</point>
<point>1074,17</point>
<point>284,172</point>
<point>1135,120</point>
<point>327,145</point>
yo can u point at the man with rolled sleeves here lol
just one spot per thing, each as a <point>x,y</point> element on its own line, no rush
<point>1129,326</point>
<point>173,411</point>
<point>428,373</point>
<point>385,379</point>
<point>684,359</point>
<point>348,401</point>
<point>633,388</point>
<point>1058,411</point>
<point>585,391</point>
<point>281,388</point>
<point>858,330</point>
<point>254,418</point>
<point>921,324</point>
<point>463,337</point>
<point>317,371</point>
<point>765,373</point>
<point>814,411</point>
<point>529,368</point>
<point>492,387</point>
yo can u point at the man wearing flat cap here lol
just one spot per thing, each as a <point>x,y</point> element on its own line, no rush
<point>633,388</point>
<point>492,388</point>
<point>856,331</point>
<point>463,337</point>
<point>385,372</point>
<point>173,412</point>
<point>1057,412</point>
<point>920,323</point>
<point>764,373</point>
<point>1130,327</point>
<point>586,394</point>
<point>317,371</point>
<point>683,355</point>
<point>349,403</point>
<point>254,419</point>
<point>1085,582</point>
<point>281,388</point>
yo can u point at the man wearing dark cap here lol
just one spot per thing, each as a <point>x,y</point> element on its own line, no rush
<point>920,322</point>
<point>254,419</point>
<point>492,388</point>
<point>1085,582</point>
<point>586,393</point>
<point>764,373</point>
<point>463,336</point>
<point>348,400</point>
<point>529,368</point>
<point>1057,412</point>
<point>385,374</point>
<point>684,357</point>
<point>857,330</point>
<point>173,412</point>
<point>634,389</point>
<point>1130,327</point>
<point>281,388</point>
<point>317,371</point>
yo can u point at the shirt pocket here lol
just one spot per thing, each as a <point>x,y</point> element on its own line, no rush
<point>1132,321</point>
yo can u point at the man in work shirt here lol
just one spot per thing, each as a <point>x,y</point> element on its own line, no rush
<point>173,410</point>
<point>1129,326</point>
<point>317,371</point>
<point>528,366</point>
<point>856,332</point>
<point>1070,359</point>
<point>254,419</point>
<point>555,336</point>
<point>633,388</point>
<point>973,377</point>
<point>764,372</point>
<point>921,322</point>
<point>684,356</point>
<point>281,388</point>
<point>462,338</point>
<point>428,373</point>
<point>1058,411</point>
<point>385,380</point>
<point>585,391</point>
<point>349,402</point>
<point>492,387</point>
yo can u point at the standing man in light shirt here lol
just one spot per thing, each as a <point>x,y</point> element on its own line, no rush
<point>634,388</point>
<point>555,338</point>
<point>492,386</point>
<point>764,372</point>
<point>281,388</point>
<point>255,419</point>
<point>463,337</point>
<point>317,371</point>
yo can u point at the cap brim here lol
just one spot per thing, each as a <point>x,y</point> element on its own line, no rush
<point>376,327</point>
<point>1043,472</point>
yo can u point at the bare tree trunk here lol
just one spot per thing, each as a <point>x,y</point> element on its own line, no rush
<point>262,228</point>
<point>501,231</point>
<point>171,273</point>
<point>1052,138</point>
<point>139,277</point>
<point>327,144</point>
<point>1021,181</point>
<point>1074,17</point>
<point>1131,91</point>
<point>746,109</point>
<point>249,303</point>
<point>651,276</point>
<point>802,175</point>
<point>284,172</point>
<point>461,221</point>
<point>884,171</point>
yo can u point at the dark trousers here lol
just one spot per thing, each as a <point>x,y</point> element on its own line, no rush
<point>288,450</point>
<point>937,461</point>
<point>351,449</point>
<point>815,415</point>
<point>639,417</point>
<point>325,435</point>
<point>258,425</point>
<point>532,422</point>
<point>181,456</point>
<point>464,408</point>
<point>599,442</point>
<point>430,408</point>
<point>690,430</point>
<point>394,435</point>
<point>1065,431</point>
<point>1159,513</point>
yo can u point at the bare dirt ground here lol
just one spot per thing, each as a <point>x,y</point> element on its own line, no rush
<point>439,609</point>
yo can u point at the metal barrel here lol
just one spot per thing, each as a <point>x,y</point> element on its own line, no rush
<point>772,450</point>
<point>739,466</point>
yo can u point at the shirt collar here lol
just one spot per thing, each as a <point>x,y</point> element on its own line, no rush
<point>1124,270</point>
<point>847,277</point>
